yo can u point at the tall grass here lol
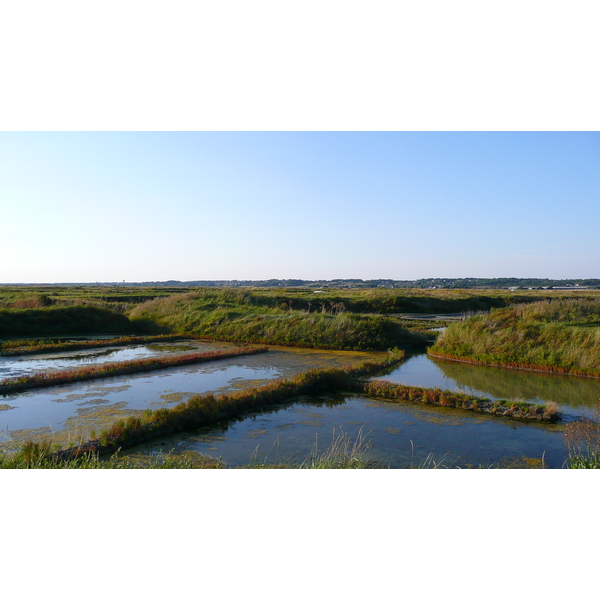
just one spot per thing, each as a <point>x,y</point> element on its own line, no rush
<point>560,336</point>
<point>233,315</point>
<point>582,438</point>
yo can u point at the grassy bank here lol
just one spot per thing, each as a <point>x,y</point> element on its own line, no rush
<point>45,346</point>
<point>233,315</point>
<point>559,336</point>
<point>342,453</point>
<point>62,320</point>
<point>119,368</point>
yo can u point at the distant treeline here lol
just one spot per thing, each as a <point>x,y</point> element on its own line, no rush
<point>447,283</point>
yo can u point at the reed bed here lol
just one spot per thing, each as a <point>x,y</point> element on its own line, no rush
<point>120,368</point>
<point>28,347</point>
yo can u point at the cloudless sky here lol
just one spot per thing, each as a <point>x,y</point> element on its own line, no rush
<point>85,207</point>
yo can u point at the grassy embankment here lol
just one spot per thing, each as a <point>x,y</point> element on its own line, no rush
<point>62,320</point>
<point>242,316</point>
<point>126,367</point>
<point>28,347</point>
<point>559,336</point>
<point>352,319</point>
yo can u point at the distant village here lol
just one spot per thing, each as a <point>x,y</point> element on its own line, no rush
<point>508,283</point>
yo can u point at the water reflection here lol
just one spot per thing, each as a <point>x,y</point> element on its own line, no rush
<point>76,409</point>
<point>16,366</point>
<point>401,435</point>
<point>575,394</point>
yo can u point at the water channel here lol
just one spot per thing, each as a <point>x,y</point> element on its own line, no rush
<point>400,434</point>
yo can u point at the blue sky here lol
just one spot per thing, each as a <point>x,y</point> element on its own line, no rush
<point>312,205</point>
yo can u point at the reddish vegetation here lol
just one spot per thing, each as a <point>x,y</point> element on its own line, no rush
<point>393,392</point>
<point>27,347</point>
<point>121,368</point>
<point>517,365</point>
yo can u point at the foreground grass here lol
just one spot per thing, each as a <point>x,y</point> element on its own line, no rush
<point>40,456</point>
<point>560,336</point>
<point>342,453</point>
<point>583,441</point>
<point>126,367</point>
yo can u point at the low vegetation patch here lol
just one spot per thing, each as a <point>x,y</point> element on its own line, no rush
<point>62,320</point>
<point>516,409</point>
<point>120,368</point>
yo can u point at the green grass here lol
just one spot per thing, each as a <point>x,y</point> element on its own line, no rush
<point>40,456</point>
<point>560,336</point>
<point>234,315</point>
<point>62,320</point>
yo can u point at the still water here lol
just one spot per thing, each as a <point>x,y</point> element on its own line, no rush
<point>401,435</point>
<point>67,413</point>
<point>576,395</point>
<point>57,361</point>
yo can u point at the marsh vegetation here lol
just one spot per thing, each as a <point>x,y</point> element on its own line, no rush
<point>557,334</point>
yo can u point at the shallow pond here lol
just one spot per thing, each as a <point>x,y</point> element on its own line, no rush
<point>14,366</point>
<point>67,413</point>
<point>400,435</point>
<point>476,439</point>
